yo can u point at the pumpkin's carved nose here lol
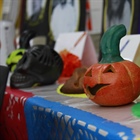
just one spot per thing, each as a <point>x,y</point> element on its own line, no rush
<point>109,68</point>
<point>93,90</point>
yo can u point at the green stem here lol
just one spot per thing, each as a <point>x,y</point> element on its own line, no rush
<point>110,44</point>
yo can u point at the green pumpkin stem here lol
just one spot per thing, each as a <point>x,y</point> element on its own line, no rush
<point>110,44</point>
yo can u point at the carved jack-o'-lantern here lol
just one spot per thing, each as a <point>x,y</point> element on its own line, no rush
<point>113,81</point>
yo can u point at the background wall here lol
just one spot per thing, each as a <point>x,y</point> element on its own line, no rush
<point>96,15</point>
<point>96,9</point>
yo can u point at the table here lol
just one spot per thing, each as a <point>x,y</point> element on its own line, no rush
<point>43,114</point>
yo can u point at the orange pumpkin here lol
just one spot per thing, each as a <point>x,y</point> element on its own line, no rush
<point>113,81</point>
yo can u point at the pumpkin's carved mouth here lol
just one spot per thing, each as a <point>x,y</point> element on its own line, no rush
<point>93,90</point>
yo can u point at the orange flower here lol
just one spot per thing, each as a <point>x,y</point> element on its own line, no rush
<point>71,62</point>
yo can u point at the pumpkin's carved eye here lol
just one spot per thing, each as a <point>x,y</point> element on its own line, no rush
<point>93,90</point>
<point>109,69</point>
<point>89,73</point>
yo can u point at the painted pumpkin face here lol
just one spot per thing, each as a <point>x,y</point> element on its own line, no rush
<point>113,81</point>
<point>112,84</point>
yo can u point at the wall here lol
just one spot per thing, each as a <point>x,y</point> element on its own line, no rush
<point>96,15</point>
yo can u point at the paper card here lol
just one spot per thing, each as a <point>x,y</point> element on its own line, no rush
<point>79,44</point>
<point>130,48</point>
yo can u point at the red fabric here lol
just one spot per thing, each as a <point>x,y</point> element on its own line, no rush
<point>12,119</point>
<point>88,16</point>
<point>87,5</point>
